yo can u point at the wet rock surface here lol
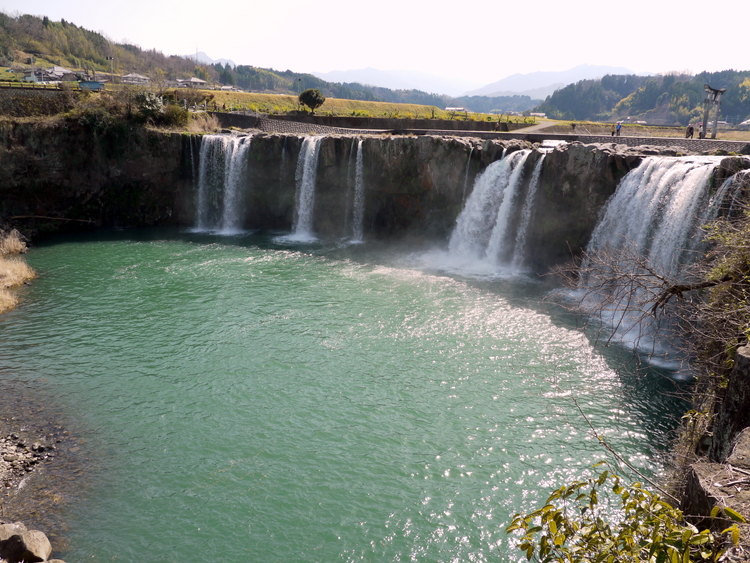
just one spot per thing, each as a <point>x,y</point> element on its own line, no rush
<point>42,468</point>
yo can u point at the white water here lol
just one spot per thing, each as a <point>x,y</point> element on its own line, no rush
<point>235,180</point>
<point>481,228</point>
<point>519,252</point>
<point>497,249</point>
<point>350,181</point>
<point>307,170</point>
<point>466,175</point>
<point>651,224</point>
<point>210,177</point>
<point>222,178</point>
<point>657,211</point>
<point>358,222</point>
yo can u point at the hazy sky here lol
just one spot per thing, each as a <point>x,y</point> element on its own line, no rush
<point>483,40</point>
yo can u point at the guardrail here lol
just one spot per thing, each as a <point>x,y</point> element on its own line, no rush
<point>37,86</point>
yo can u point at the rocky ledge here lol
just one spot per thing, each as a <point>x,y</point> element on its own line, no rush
<point>17,544</point>
<point>19,456</point>
<point>723,485</point>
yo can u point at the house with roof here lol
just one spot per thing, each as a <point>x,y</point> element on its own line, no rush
<point>193,82</point>
<point>133,78</point>
<point>53,74</point>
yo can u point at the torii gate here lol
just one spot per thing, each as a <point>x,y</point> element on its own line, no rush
<point>713,97</point>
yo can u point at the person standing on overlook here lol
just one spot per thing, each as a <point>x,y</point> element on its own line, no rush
<point>618,128</point>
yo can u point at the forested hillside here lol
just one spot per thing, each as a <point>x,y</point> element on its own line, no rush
<point>65,44</point>
<point>665,100</point>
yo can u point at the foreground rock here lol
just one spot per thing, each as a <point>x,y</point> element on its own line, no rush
<point>17,544</point>
<point>722,485</point>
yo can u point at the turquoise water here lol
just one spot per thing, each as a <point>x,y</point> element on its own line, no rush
<point>251,401</point>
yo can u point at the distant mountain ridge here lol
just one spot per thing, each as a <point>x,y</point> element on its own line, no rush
<point>400,80</point>
<point>542,84</point>
<point>201,57</point>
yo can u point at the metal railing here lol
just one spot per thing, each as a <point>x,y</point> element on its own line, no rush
<point>38,86</point>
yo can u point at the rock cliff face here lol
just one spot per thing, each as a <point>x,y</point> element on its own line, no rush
<point>418,186</point>
<point>575,183</point>
<point>414,185</point>
<point>121,176</point>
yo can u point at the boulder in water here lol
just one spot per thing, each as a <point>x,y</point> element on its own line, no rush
<point>30,547</point>
<point>8,530</point>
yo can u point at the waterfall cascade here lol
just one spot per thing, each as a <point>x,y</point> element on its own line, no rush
<point>358,210</point>
<point>466,175</point>
<point>483,230</point>
<point>651,224</point>
<point>519,250</point>
<point>657,211</point>
<point>221,178</point>
<point>307,169</point>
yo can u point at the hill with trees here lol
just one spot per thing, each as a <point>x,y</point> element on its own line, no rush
<point>65,44</point>
<point>670,99</point>
<point>664,100</point>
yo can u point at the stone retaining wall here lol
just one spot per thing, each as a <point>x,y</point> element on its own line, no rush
<point>284,127</point>
<point>302,128</point>
<point>26,102</point>
<point>379,123</point>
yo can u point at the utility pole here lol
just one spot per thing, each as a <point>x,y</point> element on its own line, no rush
<point>713,98</point>
<point>111,69</point>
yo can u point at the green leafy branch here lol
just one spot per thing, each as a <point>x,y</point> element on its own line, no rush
<point>581,522</point>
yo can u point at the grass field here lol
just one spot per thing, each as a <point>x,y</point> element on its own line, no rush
<point>276,103</point>
<point>282,104</point>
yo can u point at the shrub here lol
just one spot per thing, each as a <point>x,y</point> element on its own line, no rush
<point>175,116</point>
<point>12,243</point>
<point>581,522</point>
<point>13,271</point>
<point>149,104</point>
<point>96,119</point>
<point>203,123</point>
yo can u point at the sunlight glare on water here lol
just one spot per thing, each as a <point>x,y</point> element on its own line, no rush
<point>269,403</point>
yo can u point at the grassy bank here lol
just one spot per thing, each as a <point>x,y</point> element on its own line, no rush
<point>14,270</point>
<point>278,104</point>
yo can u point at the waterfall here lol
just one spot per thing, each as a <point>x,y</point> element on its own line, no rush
<point>519,252</point>
<point>651,224</point>
<point>307,169</point>
<point>466,175</point>
<point>351,182</point>
<point>222,171</point>
<point>657,210</point>
<point>358,221</point>
<point>481,228</point>
<point>235,180</point>
<point>497,248</point>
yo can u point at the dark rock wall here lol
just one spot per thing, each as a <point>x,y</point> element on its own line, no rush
<point>414,185</point>
<point>733,413</point>
<point>575,183</point>
<point>121,176</point>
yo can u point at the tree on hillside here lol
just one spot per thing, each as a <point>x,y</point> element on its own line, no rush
<point>312,98</point>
